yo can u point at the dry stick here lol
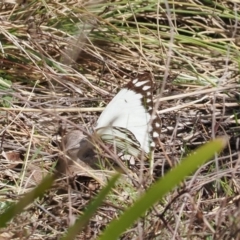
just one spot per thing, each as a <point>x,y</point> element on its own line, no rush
<point>50,110</point>
<point>100,109</point>
<point>164,153</point>
<point>26,160</point>
<point>198,92</point>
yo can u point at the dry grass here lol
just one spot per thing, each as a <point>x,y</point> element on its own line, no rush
<point>62,62</point>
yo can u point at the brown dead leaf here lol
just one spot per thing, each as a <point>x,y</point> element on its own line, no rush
<point>36,173</point>
<point>78,154</point>
<point>13,157</point>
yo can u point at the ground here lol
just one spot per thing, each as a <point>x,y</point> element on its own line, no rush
<point>62,62</point>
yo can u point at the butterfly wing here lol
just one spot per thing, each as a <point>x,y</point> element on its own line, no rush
<point>121,139</point>
<point>125,120</point>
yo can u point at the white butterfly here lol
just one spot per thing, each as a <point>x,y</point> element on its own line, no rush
<point>127,121</point>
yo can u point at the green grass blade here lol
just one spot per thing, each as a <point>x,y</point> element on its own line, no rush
<point>91,210</point>
<point>26,200</point>
<point>161,187</point>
